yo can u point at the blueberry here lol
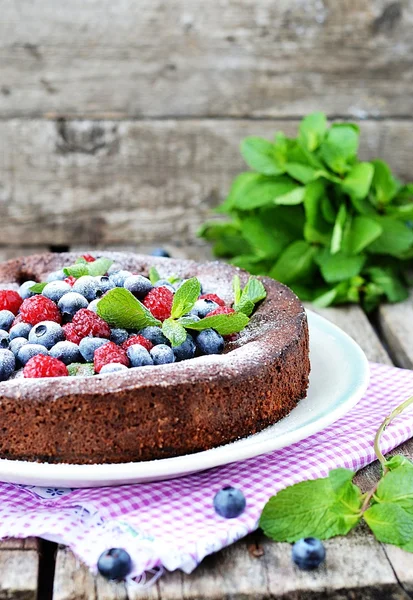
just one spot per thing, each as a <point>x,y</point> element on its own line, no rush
<point>202,307</point>
<point>56,275</point>
<point>88,346</point>
<point>46,333</point>
<point>114,563</point>
<point>210,342</point>
<point>7,364</point>
<point>119,277</point>
<point>24,289</point>
<point>67,352</point>
<point>94,305</point>
<point>4,339</point>
<point>27,352</point>
<point>114,268</point>
<point>160,252</point>
<point>139,356</point>
<point>165,283</point>
<point>55,290</point>
<point>185,350</point>
<point>70,303</point>
<point>16,344</point>
<point>104,284</point>
<point>112,368</point>
<point>308,553</point>
<point>88,287</point>
<point>229,502</point>
<point>138,285</point>
<point>6,319</point>
<point>154,334</point>
<point>118,336</point>
<point>162,355</point>
<point>20,330</point>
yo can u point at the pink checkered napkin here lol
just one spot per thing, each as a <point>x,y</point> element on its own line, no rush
<point>172,523</point>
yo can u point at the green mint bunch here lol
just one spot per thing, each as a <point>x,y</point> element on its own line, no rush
<point>324,508</point>
<point>315,217</point>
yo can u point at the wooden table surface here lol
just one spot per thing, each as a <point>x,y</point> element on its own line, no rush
<point>357,567</point>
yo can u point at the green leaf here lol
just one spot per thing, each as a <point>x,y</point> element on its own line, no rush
<point>223,324</point>
<point>263,191</point>
<point>174,331</point>
<point>38,288</point>
<point>396,237</point>
<point>302,173</point>
<point>391,524</point>
<point>154,275</point>
<point>295,263</point>
<point>265,239</point>
<point>253,292</point>
<point>94,269</point>
<point>389,282</point>
<point>358,181</point>
<point>338,267</point>
<point>322,508</point>
<point>338,229</point>
<point>312,130</point>
<point>236,286</point>
<point>185,297</point>
<point>173,279</point>
<point>120,308</point>
<point>363,231</point>
<point>259,154</point>
<point>339,148</point>
<point>385,185</point>
<point>81,369</point>
<point>295,196</point>
<point>316,228</point>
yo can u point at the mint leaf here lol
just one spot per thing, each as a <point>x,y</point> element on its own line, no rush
<point>357,183</point>
<point>339,149</point>
<point>263,191</point>
<point>295,263</point>
<point>95,269</point>
<point>236,286</point>
<point>253,292</point>
<point>173,279</point>
<point>337,267</point>
<point>391,524</point>
<point>396,237</point>
<point>385,185</point>
<point>363,231</point>
<point>38,288</point>
<point>259,154</point>
<point>294,196</point>
<point>223,324</point>
<point>120,308</point>
<point>321,508</point>
<point>391,284</point>
<point>302,173</point>
<point>338,229</point>
<point>81,369</point>
<point>154,276</point>
<point>312,130</point>
<point>174,331</point>
<point>185,297</point>
<point>265,239</point>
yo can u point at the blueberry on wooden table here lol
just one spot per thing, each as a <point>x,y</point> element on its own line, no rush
<point>160,252</point>
<point>308,553</point>
<point>229,502</point>
<point>114,563</point>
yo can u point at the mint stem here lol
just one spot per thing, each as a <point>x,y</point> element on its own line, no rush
<point>395,413</point>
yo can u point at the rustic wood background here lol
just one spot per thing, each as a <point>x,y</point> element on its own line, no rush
<point>120,121</point>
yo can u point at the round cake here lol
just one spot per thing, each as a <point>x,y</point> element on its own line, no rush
<point>161,411</point>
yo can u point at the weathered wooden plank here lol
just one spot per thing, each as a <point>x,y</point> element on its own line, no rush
<point>19,566</point>
<point>140,183</point>
<point>9,252</point>
<point>396,324</point>
<point>231,57</point>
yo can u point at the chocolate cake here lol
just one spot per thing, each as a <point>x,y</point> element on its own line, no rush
<point>161,411</point>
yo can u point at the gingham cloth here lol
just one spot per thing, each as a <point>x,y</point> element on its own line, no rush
<point>172,524</point>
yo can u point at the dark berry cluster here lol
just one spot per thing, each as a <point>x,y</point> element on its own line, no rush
<point>50,333</point>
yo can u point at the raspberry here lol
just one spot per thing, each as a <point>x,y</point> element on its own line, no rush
<point>71,334</point>
<point>109,353</point>
<point>137,339</point>
<point>159,302</point>
<point>70,280</point>
<point>212,297</point>
<point>39,308</point>
<point>86,322</point>
<point>10,300</point>
<point>88,257</point>
<point>222,310</point>
<point>45,366</point>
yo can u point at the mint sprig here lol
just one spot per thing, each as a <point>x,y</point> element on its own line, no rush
<point>154,276</point>
<point>174,332</point>
<point>223,324</point>
<point>185,297</point>
<point>315,217</point>
<point>332,506</point>
<point>38,288</point>
<point>245,300</point>
<point>81,369</point>
<point>120,308</point>
<point>94,269</point>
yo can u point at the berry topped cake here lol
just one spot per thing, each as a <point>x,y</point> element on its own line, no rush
<point>121,357</point>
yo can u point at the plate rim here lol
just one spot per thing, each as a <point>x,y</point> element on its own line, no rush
<point>108,474</point>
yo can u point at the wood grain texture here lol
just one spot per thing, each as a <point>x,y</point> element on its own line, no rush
<point>396,324</point>
<point>19,566</point>
<point>217,58</point>
<point>136,182</point>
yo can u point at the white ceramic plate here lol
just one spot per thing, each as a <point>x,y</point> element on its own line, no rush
<point>339,377</point>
